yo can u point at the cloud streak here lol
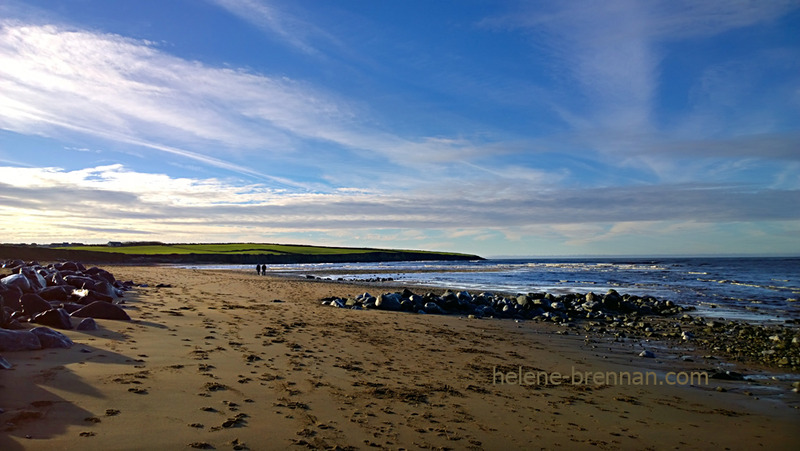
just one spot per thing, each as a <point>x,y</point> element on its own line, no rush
<point>113,195</point>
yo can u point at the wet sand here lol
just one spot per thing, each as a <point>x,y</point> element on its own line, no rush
<point>213,361</point>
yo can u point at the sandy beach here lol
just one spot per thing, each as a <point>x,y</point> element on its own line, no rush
<point>233,360</point>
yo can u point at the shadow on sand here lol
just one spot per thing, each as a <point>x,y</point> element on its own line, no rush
<point>31,409</point>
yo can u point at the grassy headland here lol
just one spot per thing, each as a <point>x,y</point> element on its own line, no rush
<point>231,253</point>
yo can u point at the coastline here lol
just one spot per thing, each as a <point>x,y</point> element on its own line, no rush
<point>213,348</point>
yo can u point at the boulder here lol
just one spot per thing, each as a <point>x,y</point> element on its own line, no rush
<point>388,301</point>
<point>58,293</point>
<point>50,338</point>
<point>106,289</point>
<point>432,307</point>
<point>18,340</point>
<point>100,274</point>
<point>17,280</point>
<point>11,296</point>
<point>57,317</point>
<point>101,310</point>
<point>35,279</point>
<point>87,324</point>
<point>33,304</point>
<point>86,297</point>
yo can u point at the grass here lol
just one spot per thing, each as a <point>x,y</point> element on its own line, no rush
<point>233,248</point>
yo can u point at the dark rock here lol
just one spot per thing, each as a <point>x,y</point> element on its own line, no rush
<point>33,304</point>
<point>67,266</point>
<point>388,301</point>
<point>80,281</point>
<point>101,310</point>
<point>87,324</point>
<point>11,296</point>
<point>106,289</point>
<point>57,317</point>
<point>70,306</point>
<point>647,354</point>
<point>432,307</point>
<point>50,338</point>
<point>727,375</point>
<point>86,297</point>
<point>17,280</point>
<point>18,340</point>
<point>56,293</point>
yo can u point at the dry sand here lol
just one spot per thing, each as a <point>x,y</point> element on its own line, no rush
<point>214,362</point>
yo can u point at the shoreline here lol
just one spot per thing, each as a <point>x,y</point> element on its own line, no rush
<point>213,360</point>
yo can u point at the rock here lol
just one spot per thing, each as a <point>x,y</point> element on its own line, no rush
<point>590,306</point>
<point>432,307</point>
<point>101,310</point>
<point>687,335</point>
<point>647,354</point>
<point>18,340</point>
<point>17,280</point>
<point>728,376</point>
<point>80,281</point>
<point>86,297</point>
<point>33,304</point>
<point>87,324</point>
<point>50,338</point>
<point>388,301</point>
<point>106,289</point>
<point>57,317</point>
<point>57,293</point>
<point>35,279</point>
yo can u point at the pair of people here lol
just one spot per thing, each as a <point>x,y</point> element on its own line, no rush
<point>261,269</point>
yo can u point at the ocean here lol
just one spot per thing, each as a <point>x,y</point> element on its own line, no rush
<point>749,289</point>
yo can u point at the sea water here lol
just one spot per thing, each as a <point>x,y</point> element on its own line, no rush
<point>753,289</point>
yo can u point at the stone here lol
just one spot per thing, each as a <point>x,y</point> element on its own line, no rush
<point>17,280</point>
<point>590,306</point>
<point>11,296</point>
<point>432,307</point>
<point>388,301</point>
<point>33,304</point>
<point>57,293</point>
<point>18,340</point>
<point>86,296</point>
<point>101,310</point>
<point>87,324</point>
<point>57,317</point>
<point>106,289</point>
<point>50,338</point>
<point>647,354</point>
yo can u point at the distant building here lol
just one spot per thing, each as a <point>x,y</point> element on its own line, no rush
<point>114,244</point>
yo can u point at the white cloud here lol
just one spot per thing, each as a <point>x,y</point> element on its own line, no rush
<point>56,80</point>
<point>290,29</point>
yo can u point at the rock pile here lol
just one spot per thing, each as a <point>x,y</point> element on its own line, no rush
<point>51,296</point>
<point>542,306</point>
<point>620,316</point>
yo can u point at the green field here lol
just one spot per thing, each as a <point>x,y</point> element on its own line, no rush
<point>233,249</point>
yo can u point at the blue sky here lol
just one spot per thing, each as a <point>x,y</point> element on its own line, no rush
<point>492,127</point>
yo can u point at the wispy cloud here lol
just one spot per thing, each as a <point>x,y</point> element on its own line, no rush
<point>55,81</point>
<point>613,51</point>
<point>157,201</point>
<point>288,28</point>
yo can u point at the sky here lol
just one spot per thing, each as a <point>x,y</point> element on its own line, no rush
<point>500,128</point>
